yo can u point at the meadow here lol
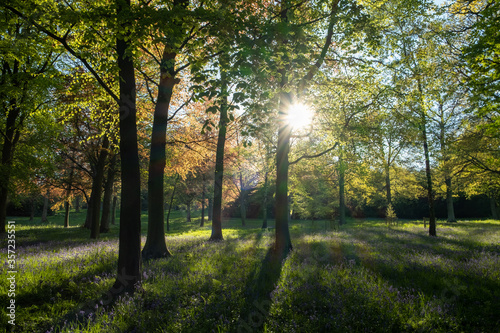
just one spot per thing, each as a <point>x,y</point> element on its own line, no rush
<point>360,277</point>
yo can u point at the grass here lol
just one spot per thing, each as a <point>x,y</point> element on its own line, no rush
<point>361,277</point>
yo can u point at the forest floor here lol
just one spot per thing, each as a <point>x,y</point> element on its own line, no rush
<point>360,277</point>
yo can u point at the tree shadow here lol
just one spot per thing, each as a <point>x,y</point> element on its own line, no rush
<point>257,294</point>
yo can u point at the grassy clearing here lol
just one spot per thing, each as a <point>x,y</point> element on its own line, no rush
<point>361,277</point>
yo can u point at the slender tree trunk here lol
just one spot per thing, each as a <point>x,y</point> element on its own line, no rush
<point>66,214</point>
<point>210,208</point>
<point>33,206</point>
<point>129,249</point>
<point>342,219</point>
<point>113,210</point>
<point>283,241</point>
<point>388,184</point>
<point>97,189</point>
<point>430,192</point>
<point>88,216</point>
<point>77,204</point>
<point>219,155</point>
<point>243,210</point>
<point>264,201</point>
<point>188,211</point>
<point>446,170</point>
<point>45,207</point>
<point>493,206</point>
<point>202,222</point>
<point>108,193</point>
<point>171,202</point>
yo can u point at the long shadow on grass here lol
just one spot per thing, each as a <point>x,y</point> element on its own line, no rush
<point>257,294</point>
<point>473,298</point>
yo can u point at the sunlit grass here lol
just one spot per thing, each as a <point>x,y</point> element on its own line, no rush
<point>360,277</point>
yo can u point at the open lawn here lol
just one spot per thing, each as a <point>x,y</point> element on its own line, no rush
<point>361,277</point>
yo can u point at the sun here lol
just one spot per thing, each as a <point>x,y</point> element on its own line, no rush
<point>299,116</point>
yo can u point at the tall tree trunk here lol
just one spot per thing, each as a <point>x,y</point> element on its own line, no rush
<point>203,190</point>
<point>11,137</point>
<point>493,206</point>
<point>45,207</point>
<point>282,233</point>
<point>66,214</point>
<point>97,182</point>
<point>108,193</point>
<point>264,201</point>
<point>446,170</point>
<point>129,248</point>
<point>342,219</point>
<point>219,155</point>
<point>283,242</point>
<point>156,246</point>
<point>430,192</point>
<point>113,210</point>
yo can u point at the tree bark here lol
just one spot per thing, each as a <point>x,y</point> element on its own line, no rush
<point>66,214</point>
<point>11,137</point>
<point>113,210</point>
<point>156,246</point>
<point>219,155</point>
<point>388,184</point>
<point>97,182</point>
<point>129,249</point>
<point>108,193</point>
<point>282,233</point>
<point>283,242</point>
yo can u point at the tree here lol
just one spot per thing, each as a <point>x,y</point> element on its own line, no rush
<point>481,55</point>
<point>412,47</point>
<point>27,60</point>
<point>70,30</point>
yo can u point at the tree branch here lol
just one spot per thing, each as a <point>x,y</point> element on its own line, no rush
<point>316,155</point>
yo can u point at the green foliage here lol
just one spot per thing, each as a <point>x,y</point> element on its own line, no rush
<point>481,54</point>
